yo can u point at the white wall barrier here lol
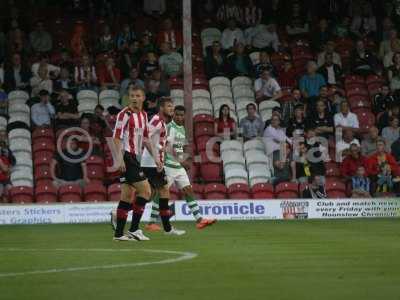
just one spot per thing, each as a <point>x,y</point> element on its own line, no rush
<point>220,209</point>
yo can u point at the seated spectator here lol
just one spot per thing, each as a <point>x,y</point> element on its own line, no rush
<point>231,36</point>
<point>275,136</point>
<point>386,45</point>
<point>360,184</point>
<point>353,160</point>
<point>229,11</point>
<point>392,132</point>
<point>346,119</point>
<point>394,73</point>
<point>321,35</point>
<point>52,70</point>
<point>130,57</point>
<point>392,110</point>
<point>79,41</point>
<point>317,152</point>
<point>251,126</point>
<point>149,65</point>
<point>342,28</point>
<point>266,38</point>
<point>368,144</point>
<point>133,79</point>
<point>110,75</point>
<point>63,60</point>
<point>225,126</point>
<point>266,87</point>
<point>215,61</point>
<point>264,63</point>
<point>289,105</point>
<point>125,37</point>
<point>7,161</point>
<point>302,167</point>
<point>315,189</point>
<point>239,63</point>
<point>169,35</point>
<point>85,75</point>
<point>40,39</point>
<point>276,111</point>
<point>106,41</point>
<point>100,125</point>
<point>363,61</point>
<point>17,75</point>
<point>41,81</point>
<point>332,72</point>
<point>296,125</point>
<point>171,62</point>
<point>287,76</point>
<point>311,82</point>
<point>297,27</point>
<point>329,49</point>
<point>322,121</point>
<point>281,160</point>
<point>66,111</point>
<point>89,139</point>
<point>252,16</point>
<point>388,60</point>
<point>69,168</point>
<point>364,22</point>
<point>382,100</point>
<point>146,43</point>
<point>64,82</point>
<point>343,144</point>
<point>43,113</point>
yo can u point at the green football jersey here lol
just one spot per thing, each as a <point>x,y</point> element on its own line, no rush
<point>176,137</point>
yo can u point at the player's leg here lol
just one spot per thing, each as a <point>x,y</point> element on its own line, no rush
<point>155,213</point>
<point>123,208</point>
<point>165,213</point>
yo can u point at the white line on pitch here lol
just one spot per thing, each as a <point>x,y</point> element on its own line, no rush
<point>183,256</point>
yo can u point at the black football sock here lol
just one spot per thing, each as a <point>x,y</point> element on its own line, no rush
<point>138,209</point>
<point>122,214</point>
<point>165,214</point>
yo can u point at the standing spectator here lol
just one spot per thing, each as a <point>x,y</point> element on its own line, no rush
<point>266,87</point>
<point>287,77</point>
<point>7,160</point>
<point>382,100</point>
<point>343,144</point>
<point>154,8</point>
<point>363,61</point>
<point>394,73</point>
<point>281,161</point>
<point>125,37</point>
<point>231,36</point>
<point>315,189</point>
<point>329,49</point>
<point>251,126</point>
<point>321,35</point>
<point>171,62</point>
<point>322,121</point>
<point>266,38</point>
<point>106,41</point>
<point>311,82</point>
<point>352,161</point>
<point>275,136</point>
<point>40,39</point>
<point>368,144</point>
<point>78,41</point>
<point>169,35</point>
<point>43,113</point>
<point>110,75</point>
<point>130,57</point>
<point>85,74</point>
<point>133,79</point>
<point>41,81</point>
<point>17,76</point>
<point>252,15</point>
<point>66,111</point>
<point>346,119</point>
<point>239,63</point>
<point>215,61</point>
<point>332,72</point>
<point>225,126</point>
<point>229,11</point>
<point>360,184</point>
<point>391,133</point>
<point>364,22</point>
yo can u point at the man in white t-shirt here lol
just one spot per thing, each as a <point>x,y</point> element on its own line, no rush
<point>346,119</point>
<point>343,144</point>
<point>265,36</point>
<point>231,36</point>
<point>266,87</point>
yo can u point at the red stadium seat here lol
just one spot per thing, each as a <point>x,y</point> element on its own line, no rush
<point>21,194</point>
<point>373,79</point>
<point>359,101</point>
<point>114,192</point>
<point>332,170</point>
<point>333,185</point>
<point>200,83</point>
<point>42,159</point>
<point>70,193</point>
<point>203,125</point>
<point>95,168</point>
<point>239,191</point>
<point>287,190</point>
<point>263,191</point>
<point>42,173</point>
<point>357,91</point>
<point>210,171</point>
<point>198,190</point>
<point>201,143</point>
<point>45,193</point>
<point>352,79</point>
<point>215,191</point>
<point>46,133</point>
<point>42,146</point>
<point>95,192</point>
<point>175,83</point>
<point>336,194</point>
<point>366,119</point>
<point>302,187</point>
<point>374,88</point>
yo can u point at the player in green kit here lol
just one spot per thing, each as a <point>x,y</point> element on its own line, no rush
<point>176,172</point>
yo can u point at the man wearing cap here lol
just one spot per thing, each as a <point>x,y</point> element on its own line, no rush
<point>266,87</point>
<point>43,112</point>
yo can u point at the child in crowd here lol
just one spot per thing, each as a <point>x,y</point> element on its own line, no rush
<point>360,184</point>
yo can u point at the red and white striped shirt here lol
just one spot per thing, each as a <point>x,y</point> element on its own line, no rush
<point>131,127</point>
<point>158,137</point>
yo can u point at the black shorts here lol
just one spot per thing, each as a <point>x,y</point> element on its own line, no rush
<point>155,178</point>
<point>133,171</point>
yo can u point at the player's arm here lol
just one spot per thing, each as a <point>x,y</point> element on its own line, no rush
<point>118,134</point>
<point>149,131</point>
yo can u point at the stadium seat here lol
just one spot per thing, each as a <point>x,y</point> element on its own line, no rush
<point>201,143</point>
<point>220,81</point>
<point>234,159</point>
<point>23,159</point>
<point>235,174</point>
<point>114,192</point>
<point>335,188</point>
<point>263,191</point>
<point>232,145</point>
<point>356,91</point>
<point>46,133</point>
<point>18,97</point>
<point>87,96</point>
<point>21,194</point>
<point>202,106</point>
<point>332,170</point>
<point>41,146</point>
<point>366,119</point>
<point>239,191</point>
<point>259,174</point>
<point>215,191</point>
<point>109,98</point>
<point>95,192</point>
<point>70,193</point>
<point>256,158</point>
<point>42,173</point>
<point>265,109</point>
<point>3,122</point>
<point>373,79</point>
<point>358,101</point>
<point>45,193</point>
<point>210,171</point>
<point>287,190</point>
<point>198,190</point>
<point>254,144</point>
<point>242,81</point>
<point>353,79</point>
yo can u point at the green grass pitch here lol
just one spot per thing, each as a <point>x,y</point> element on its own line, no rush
<point>330,259</point>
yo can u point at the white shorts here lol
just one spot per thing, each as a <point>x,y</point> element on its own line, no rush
<point>177,176</point>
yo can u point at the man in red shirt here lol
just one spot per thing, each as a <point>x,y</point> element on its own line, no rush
<point>379,157</point>
<point>352,161</point>
<point>110,76</point>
